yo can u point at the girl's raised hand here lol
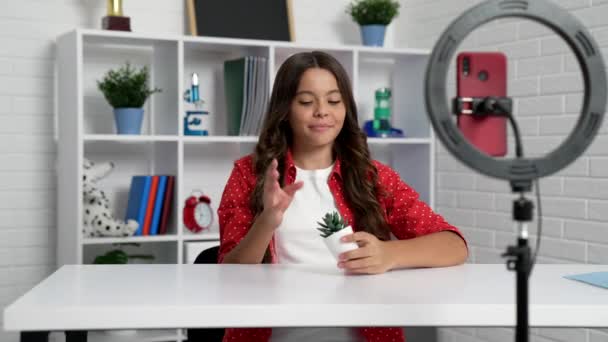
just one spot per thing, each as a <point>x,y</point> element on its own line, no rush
<point>277,199</point>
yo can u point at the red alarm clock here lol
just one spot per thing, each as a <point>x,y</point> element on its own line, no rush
<point>197,213</point>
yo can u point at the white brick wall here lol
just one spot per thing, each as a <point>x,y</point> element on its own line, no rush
<point>544,80</point>
<point>28,29</point>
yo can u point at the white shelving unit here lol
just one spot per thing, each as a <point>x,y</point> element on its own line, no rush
<point>85,125</point>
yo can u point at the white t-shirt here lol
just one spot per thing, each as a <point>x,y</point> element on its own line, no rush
<point>297,238</point>
<point>298,241</point>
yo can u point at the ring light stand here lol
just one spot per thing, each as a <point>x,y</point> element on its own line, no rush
<point>519,171</point>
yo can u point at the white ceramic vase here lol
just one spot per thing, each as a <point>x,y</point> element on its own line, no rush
<point>336,247</point>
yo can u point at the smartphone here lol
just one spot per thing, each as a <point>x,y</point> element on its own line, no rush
<point>482,74</point>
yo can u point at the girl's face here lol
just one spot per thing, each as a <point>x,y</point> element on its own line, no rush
<point>317,111</point>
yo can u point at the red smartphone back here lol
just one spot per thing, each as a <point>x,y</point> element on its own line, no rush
<point>486,75</point>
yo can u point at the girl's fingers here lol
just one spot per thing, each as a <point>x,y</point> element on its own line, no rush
<point>358,253</point>
<point>292,188</point>
<point>269,176</point>
<point>365,270</point>
<point>273,192</point>
<point>361,238</point>
<point>271,181</point>
<point>289,191</point>
<point>356,264</point>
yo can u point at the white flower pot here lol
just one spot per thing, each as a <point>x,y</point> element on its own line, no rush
<point>336,247</point>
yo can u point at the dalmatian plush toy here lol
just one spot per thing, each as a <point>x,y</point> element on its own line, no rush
<point>98,219</point>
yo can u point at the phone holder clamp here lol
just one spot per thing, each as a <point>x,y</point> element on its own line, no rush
<point>482,106</point>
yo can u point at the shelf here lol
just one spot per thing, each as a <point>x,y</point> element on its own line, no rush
<point>129,138</point>
<point>202,162</point>
<point>212,236</point>
<point>148,335</point>
<point>224,139</point>
<point>392,51</point>
<point>123,35</point>
<point>254,139</point>
<point>219,139</point>
<point>398,141</point>
<point>129,239</point>
<point>154,238</point>
<point>99,35</point>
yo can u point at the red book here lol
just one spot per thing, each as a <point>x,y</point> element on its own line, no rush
<point>167,203</point>
<point>150,206</point>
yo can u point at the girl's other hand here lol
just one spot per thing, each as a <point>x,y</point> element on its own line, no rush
<point>372,257</point>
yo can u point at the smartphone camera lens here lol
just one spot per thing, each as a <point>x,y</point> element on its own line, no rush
<point>483,75</point>
<point>466,66</point>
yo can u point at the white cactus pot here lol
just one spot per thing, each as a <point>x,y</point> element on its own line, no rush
<point>336,247</point>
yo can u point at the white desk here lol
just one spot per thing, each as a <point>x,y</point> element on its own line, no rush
<point>91,297</point>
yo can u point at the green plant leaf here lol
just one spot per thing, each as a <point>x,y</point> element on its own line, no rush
<point>112,257</point>
<point>332,223</point>
<point>373,12</point>
<point>118,256</point>
<point>126,87</point>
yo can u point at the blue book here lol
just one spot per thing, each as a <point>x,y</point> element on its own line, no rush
<point>158,204</point>
<point>138,200</point>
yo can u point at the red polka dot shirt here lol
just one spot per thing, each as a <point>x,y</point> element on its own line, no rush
<point>407,216</point>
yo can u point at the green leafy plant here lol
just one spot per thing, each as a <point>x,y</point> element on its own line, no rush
<point>126,87</point>
<point>332,223</point>
<point>373,12</point>
<point>118,256</point>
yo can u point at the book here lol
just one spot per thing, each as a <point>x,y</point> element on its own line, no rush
<point>251,98</point>
<point>263,97</point>
<point>167,204</point>
<point>158,204</point>
<point>255,95</point>
<point>138,200</point>
<point>150,206</point>
<point>247,91</point>
<point>234,79</point>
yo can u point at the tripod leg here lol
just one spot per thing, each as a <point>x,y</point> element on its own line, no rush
<point>523,268</point>
<point>518,260</point>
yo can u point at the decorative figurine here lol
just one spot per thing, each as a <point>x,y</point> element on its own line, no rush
<point>115,20</point>
<point>195,119</point>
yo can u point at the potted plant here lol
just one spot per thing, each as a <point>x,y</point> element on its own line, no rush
<point>118,256</point>
<point>332,229</point>
<point>373,16</point>
<point>126,89</point>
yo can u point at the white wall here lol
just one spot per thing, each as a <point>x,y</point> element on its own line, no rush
<point>28,29</point>
<point>544,80</point>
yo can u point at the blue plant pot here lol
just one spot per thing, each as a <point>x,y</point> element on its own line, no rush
<point>373,35</point>
<point>128,120</point>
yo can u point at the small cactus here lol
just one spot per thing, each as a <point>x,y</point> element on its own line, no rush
<point>332,223</point>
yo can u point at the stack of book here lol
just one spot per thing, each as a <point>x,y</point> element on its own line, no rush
<point>247,91</point>
<point>150,200</point>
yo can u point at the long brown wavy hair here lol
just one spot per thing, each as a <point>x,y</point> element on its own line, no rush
<point>359,175</point>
